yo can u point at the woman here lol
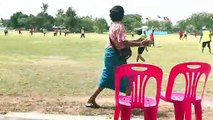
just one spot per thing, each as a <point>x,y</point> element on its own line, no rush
<point>117,35</point>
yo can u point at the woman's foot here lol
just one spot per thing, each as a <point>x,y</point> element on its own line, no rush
<point>92,104</point>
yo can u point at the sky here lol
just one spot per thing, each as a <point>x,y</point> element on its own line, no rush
<point>175,10</point>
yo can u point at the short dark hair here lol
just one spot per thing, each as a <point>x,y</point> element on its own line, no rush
<point>116,13</point>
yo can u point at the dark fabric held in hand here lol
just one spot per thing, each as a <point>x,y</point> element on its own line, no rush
<point>125,53</point>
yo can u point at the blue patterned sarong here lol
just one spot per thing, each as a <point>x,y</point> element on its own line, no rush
<point>111,61</point>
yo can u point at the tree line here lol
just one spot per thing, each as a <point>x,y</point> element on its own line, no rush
<point>68,19</point>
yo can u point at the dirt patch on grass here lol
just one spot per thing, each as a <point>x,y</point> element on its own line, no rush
<point>75,106</point>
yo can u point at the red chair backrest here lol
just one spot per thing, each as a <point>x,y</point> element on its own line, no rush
<point>192,72</point>
<point>139,75</point>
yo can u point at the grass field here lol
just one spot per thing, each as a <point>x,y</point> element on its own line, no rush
<point>70,66</point>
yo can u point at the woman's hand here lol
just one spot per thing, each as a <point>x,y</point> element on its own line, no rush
<point>146,43</point>
<point>141,39</point>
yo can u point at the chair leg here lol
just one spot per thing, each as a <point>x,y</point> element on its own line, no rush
<point>125,112</point>
<point>150,113</point>
<point>117,112</point>
<point>188,111</point>
<point>179,111</point>
<point>198,110</point>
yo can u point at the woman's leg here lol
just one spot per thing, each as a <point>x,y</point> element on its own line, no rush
<point>209,46</point>
<point>91,102</point>
<point>137,58</point>
<point>141,58</point>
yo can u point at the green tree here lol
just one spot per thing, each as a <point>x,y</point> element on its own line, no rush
<point>70,19</point>
<point>100,25</point>
<point>166,26</point>
<point>59,20</point>
<point>43,20</point>
<point>87,22</point>
<point>4,22</point>
<point>22,22</point>
<point>181,24</point>
<point>31,22</point>
<point>132,21</point>
<point>15,20</point>
<point>196,21</point>
<point>153,24</point>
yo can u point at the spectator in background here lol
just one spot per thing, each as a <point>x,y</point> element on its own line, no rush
<point>180,34</point>
<point>141,49</point>
<point>66,32</point>
<point>185,35</point>
<point>152,37</point>
<point>55,33</point>
<point>60,32</point>
<point>44,31</point>
<point>132,33</point>
<point>31,31</point>
<point>206,39</point>
<point>19,31</point>
<point>196,34</point>
<point>5,31</point>
<point>82,32</point>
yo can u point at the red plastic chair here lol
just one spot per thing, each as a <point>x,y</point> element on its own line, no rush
<point>138,80</point>
<point>182,101</point>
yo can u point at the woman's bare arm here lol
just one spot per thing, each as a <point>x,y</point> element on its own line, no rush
<point>139,43</point>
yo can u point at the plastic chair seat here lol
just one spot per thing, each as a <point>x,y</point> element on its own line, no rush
<point>176,96</point>
<point>126,101</point>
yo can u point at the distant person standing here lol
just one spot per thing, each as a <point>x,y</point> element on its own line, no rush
<point>66,32</point>
<point>180,34</point>
<point>132,33</point>
<point>152,37</point>
<point>82,32</point>
<point>44,31</point>
<point>185,35</point>
<point>196,34</point>
<point>60,32</point>
<point>205,38</point>
<point>19,31</point>
<point>141,49</point>
<point>5,31</point>
<point>31,31</point>
<point>55,33</point>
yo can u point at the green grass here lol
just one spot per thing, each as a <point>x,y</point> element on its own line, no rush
<point>72,66</point>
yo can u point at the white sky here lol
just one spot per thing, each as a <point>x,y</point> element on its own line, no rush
<point>173,9</point>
